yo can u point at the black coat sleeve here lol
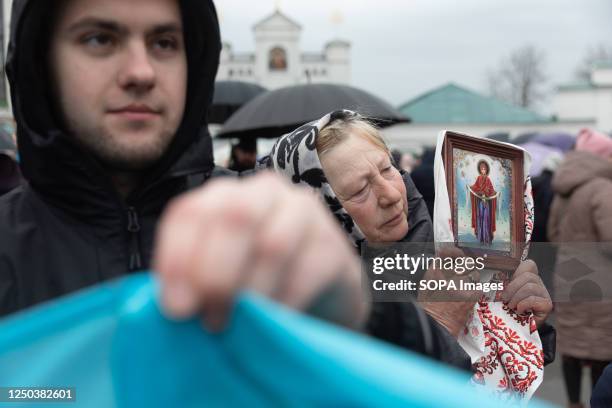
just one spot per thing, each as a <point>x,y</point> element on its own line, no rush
<point>406,325</point>
<point>548,336</point>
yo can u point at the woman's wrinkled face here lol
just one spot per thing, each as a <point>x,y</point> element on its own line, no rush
<point>369,188</point>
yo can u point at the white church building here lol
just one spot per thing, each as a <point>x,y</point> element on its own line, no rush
<point>589,102</point>
<point>279,61</point>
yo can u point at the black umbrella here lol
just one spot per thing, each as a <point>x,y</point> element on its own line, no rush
<point>499,136</point>
<point>277,112</point>
<point>229,96</point>
<point>524,138</point>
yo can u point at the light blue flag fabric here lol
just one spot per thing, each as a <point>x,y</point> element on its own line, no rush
<point>114,347</point>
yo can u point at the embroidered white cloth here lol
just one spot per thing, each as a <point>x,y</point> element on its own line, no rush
<point>504,347</point>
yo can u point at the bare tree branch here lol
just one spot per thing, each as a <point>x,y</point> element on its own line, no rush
<point>594,54</point>
<point>520,77</point>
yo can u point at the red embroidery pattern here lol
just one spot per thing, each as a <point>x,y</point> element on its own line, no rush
<point>521,360</point>
<point>523,320</point>
<point>504,385</point>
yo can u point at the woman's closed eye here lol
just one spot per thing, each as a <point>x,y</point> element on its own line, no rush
<point>388,172</point>
<point>361,193</point>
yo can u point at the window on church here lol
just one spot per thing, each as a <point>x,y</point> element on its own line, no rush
<point>230,73</point>
<point>278,59</point>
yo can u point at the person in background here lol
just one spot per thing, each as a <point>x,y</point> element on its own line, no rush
<point>544,255</point>
<point>403,161</point>
<point>408,162</point>
<point>243,155</point>
<point>582,212</point>
<point>423,176</point>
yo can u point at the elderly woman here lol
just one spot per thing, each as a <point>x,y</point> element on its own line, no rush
<point>345,159</point>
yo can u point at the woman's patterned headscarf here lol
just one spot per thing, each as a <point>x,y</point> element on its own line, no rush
<point>295,155</point>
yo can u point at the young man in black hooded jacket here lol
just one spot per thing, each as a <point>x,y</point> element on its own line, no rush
<point>110,99</point>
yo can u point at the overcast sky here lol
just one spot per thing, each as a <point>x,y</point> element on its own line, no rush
<point>403,48</point>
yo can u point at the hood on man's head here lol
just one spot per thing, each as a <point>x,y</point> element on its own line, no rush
<point>49,159</point>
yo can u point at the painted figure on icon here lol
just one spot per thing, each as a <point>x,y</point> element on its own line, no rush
<point>483,198</point>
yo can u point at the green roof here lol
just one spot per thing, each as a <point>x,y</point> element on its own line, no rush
<point>577,86</point>
<point>602,64</point>
<point>454,104</point>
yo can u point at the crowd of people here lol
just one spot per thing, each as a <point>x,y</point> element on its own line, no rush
<point>115,174</point>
